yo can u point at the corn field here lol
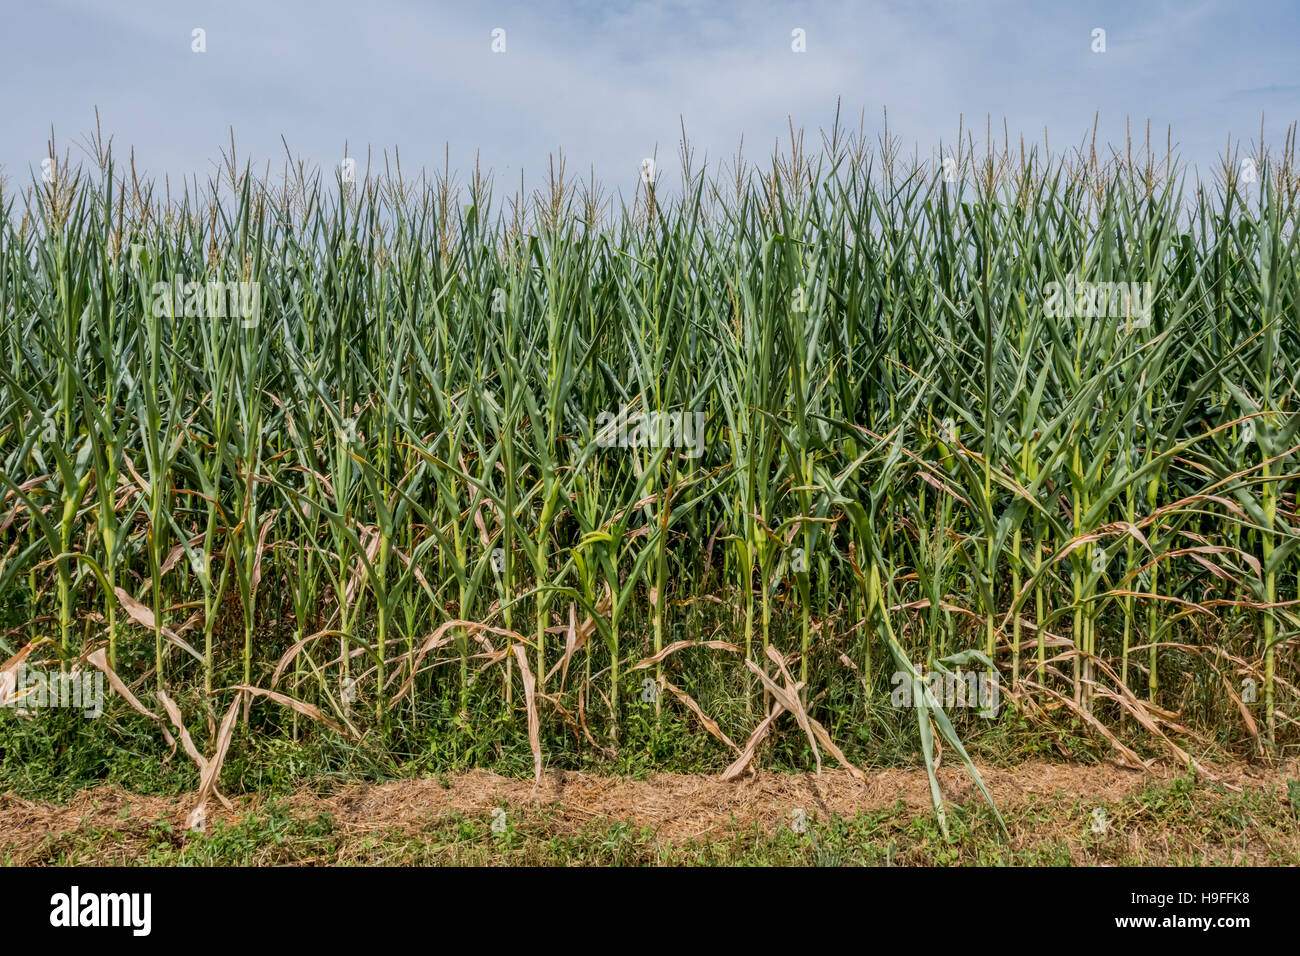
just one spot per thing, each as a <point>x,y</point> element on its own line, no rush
<point>765,444</point>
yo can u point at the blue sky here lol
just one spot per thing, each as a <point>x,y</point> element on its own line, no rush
<point>607,82</point>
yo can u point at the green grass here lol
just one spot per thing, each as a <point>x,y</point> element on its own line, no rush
<point>56,757</point>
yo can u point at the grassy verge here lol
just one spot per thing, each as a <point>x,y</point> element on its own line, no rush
<point>61,754</point>
<point>1177,821</point>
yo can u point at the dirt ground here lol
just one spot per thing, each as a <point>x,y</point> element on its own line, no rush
<point>681,807</point>
<point>675,807</point>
